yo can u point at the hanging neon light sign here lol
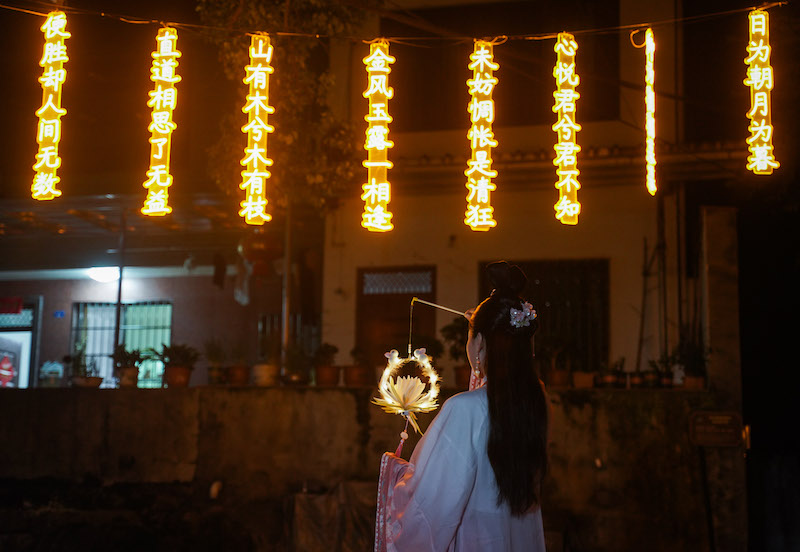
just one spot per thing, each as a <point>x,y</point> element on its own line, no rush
<point>377,191</point>
<point>257,108</point>
<point>650,110</point>
<point>567,208</point>
<point>479,173</point>
<point>163,99</point>
<point>48,135</point>
<point>760,80</point>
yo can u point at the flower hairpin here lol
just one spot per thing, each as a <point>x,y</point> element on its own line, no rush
<point>521,318</point>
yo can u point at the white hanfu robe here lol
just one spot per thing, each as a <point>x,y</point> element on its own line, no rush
<point>445,498</point>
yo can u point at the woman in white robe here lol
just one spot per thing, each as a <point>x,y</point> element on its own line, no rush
<point>447,499</point>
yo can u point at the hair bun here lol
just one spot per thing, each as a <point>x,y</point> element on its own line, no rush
<point>506,279</point>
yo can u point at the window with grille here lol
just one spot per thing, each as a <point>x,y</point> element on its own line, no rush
<point>384,297</point>
<point>142,326</point>
<point>571,298</point>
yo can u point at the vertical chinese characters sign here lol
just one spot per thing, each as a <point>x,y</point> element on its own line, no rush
<point>257,108</point>
<point>479,173</point>
<point>49,132</point>
<point>566,160</point>
<point>377,190</point>
<point>650,110</point>
<point>760,80</point>
<point>163,99</point>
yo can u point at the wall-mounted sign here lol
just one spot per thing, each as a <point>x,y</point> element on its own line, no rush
<point>715,429</point>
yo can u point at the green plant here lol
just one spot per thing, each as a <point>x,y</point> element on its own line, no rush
<point>663,364</point>
<point>359,356</point>
<point>126,359</point>
<point>297,360</point>
<point>691,353</point>
<point>215,351</point>
<point>433,347</point>
<point>238,353</point>
<point>269,348</point>
<point>324,354</point>
<point>175,355</point>
<point>455,338</point>
<point>77,365</point>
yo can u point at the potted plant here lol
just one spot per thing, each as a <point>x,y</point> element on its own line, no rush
<point>455,338</point>
<point>636,378</point>
<point>238,371</point>
<point>215,354</point>
<point>609,376</point>
<point>552,353</point>
<point>267,370</point>
<point>298,365</point>
<point>358,373</point>
<point>326,373</point>
<point>81,373</point>
<point>178,361</point>
<point>692,356</point>
<point>126,365</point>
<point>583,378</point>
<point>662,369</point>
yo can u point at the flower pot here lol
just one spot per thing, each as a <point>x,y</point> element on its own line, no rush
<point>327,375</point>
<point>86,381</point>
<point>694,383</point>
<point>177,376</point>
<point>636,379</point>
<point>128,376</point>
<point>266,375</point>
<point>217,375</point>
<point>356,375</point>
<point>607,380</point>
<point>665,380</point>
<point>583,380</point>
<point>462,374</point>
<point>650,379</point>
<point>558,378</point>
<point>239,375</point>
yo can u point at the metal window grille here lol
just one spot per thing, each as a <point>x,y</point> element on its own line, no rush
<point>142,326</point>
<point>387,283</point>
<point>571,298</point>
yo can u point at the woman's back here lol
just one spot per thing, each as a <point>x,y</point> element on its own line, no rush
<point>447,499</point>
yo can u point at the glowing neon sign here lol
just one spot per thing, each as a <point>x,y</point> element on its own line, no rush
<point>257,108</point>
<point>163,99</point>
<point>377,190</point>
<point>760,80</point>
<point>650,110</point>
<point>48,135</point>
<point>479,173</point>
<point>567,208</point>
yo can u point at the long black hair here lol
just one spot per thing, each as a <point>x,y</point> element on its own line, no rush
<point>517,404</point>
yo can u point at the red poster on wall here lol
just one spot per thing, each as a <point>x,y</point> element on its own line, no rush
<point>10,353</point>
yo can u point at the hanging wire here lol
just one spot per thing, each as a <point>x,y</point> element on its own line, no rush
<point>533,36</point>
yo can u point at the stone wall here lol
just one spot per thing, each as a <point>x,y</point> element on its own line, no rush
<point>623,474</point>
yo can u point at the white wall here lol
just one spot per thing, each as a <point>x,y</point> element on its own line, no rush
<point>429,230</point>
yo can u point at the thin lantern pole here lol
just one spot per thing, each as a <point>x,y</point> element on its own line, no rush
<point>119,282</point>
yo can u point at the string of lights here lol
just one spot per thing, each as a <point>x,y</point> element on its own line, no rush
<point>132,19</point>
